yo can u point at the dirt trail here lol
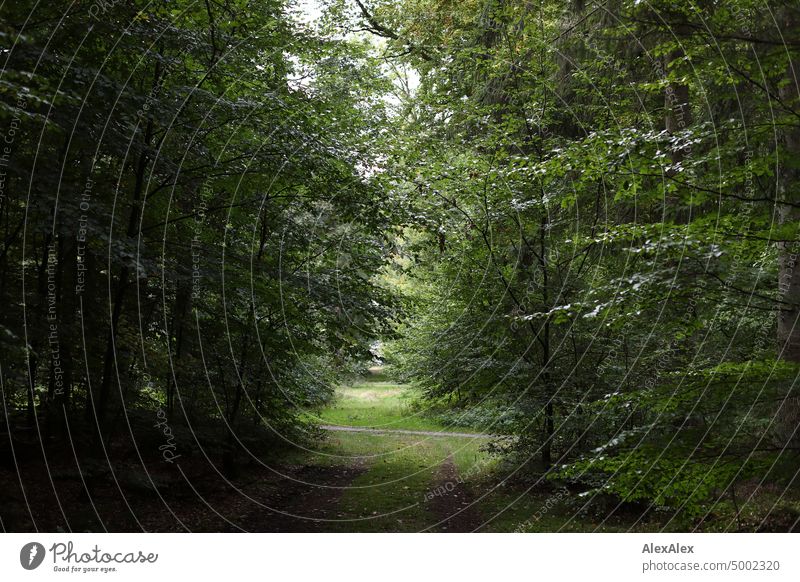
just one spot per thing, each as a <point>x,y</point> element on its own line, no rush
<point>452,501</point>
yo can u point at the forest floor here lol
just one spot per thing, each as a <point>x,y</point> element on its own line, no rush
<point>382,465</point>
<point>386,467</point>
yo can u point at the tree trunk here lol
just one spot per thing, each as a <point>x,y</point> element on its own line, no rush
<point>109,362</point>
<point>549,425</point>
<point>789,191</point>
<point>179,311</point>
<point>788,414</point>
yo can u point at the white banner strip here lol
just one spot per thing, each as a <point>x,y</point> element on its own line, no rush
<point>400,557</point>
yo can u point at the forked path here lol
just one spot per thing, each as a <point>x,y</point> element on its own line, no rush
<point>367,478</point>
<point>431,433</point>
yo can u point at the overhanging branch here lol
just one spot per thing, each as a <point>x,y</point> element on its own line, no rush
<point>378,29</point>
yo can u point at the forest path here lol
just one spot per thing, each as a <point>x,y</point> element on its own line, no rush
<point>453,502</point>
<point>382,466</point>
<point>409,463</point>
<point>430,433</point>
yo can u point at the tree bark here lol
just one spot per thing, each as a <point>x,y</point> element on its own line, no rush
<point>789,191</point>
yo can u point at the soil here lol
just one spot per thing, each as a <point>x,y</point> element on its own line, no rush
<point>453,502</point>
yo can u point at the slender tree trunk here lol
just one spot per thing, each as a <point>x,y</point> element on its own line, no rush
<point>109,364</point>
<point>231,444</point>
<point>59,352</point>
<point>549,423</point>
<point>100,406</point>
<point>788,336</point>
<point>179,310</point>
<point>30,410</point>
<point>788,264</point>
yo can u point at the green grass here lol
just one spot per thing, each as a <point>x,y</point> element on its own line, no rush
<point>398,470</point>
<point>377,403</point>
